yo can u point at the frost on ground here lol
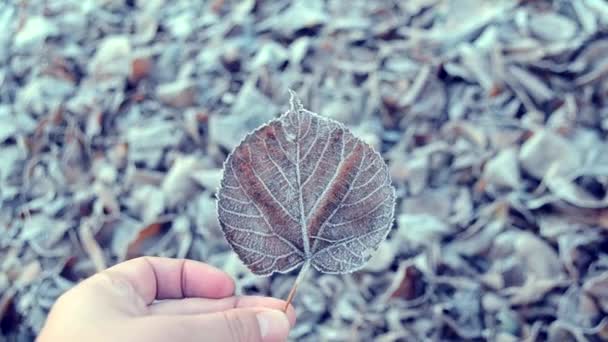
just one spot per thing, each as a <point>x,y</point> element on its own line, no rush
<point>116,117</point>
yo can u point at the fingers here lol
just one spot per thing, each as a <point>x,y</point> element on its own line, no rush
<point>247,325</point>
<point>164,278</point>
<point>234,325</point>
<point>196,306</point>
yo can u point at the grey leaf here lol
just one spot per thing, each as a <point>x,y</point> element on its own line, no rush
<point>301,189</point>
<point>546,149</point>
<point>552,27</point>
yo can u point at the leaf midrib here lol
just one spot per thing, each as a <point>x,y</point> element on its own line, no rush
<point>304,233</point>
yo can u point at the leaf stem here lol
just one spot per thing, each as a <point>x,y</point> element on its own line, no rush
<point>294,288</point>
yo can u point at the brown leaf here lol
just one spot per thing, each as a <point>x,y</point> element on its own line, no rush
<point>140,68</point>
<point>135,246</point>
<point>412,284</point>
<point>303,189</point>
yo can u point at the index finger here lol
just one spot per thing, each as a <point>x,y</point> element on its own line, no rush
<point>165,278</point>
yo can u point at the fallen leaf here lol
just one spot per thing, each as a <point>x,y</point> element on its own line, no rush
<point>135,246</point>
<point>91,246</point>
<point>140,68</point>
<point>597,287</point>
<point>533,290</point>
<point>546,150</point>
<point>178,185</point>
<point>412,284</point>
<point>179,94</point>
<point>503,170</point>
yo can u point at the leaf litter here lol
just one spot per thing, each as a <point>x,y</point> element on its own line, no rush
<point>117,118</point>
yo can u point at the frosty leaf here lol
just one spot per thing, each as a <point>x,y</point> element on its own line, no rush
<point>302,188</point>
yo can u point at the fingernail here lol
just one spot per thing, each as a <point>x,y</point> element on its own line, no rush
<point>274,325</point>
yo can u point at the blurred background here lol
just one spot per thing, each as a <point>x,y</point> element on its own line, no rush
<point>116,116</point>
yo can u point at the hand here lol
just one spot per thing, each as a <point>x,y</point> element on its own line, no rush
<point>152,299</point>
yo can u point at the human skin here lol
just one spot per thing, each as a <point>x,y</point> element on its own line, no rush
<point>151,299</point>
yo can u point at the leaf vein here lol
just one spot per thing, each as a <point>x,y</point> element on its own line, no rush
<point>250,231</point>
<point>328,186</point>
<point>318,161</point>
<point>314,142</point>
<point>307,128</point>
<point>339,243</point>
<point>235,199</point>
<point>346,205</point>
<point>236,213</point>
<point>277,165</point>
<point>281,144</point>
<point>369,180</point>
<point>266,220</point>
<point>345,196</point>
<point>273,197</point>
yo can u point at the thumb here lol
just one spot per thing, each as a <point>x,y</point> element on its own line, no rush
<point>238,325</point>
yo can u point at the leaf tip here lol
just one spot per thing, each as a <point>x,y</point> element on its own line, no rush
<point>294,101</point>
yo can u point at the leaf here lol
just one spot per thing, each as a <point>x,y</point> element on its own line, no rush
<point>302,189</point>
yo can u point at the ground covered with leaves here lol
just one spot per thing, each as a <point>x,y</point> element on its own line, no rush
<point>116,117</point>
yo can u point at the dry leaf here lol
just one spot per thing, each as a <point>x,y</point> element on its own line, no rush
<point>303,190</point>
<point>135,246</point>
<point>597,286</point>
<point>140,69</point>
<point>178,186</point>
<point>91,246</point>
<point>412,284</point>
